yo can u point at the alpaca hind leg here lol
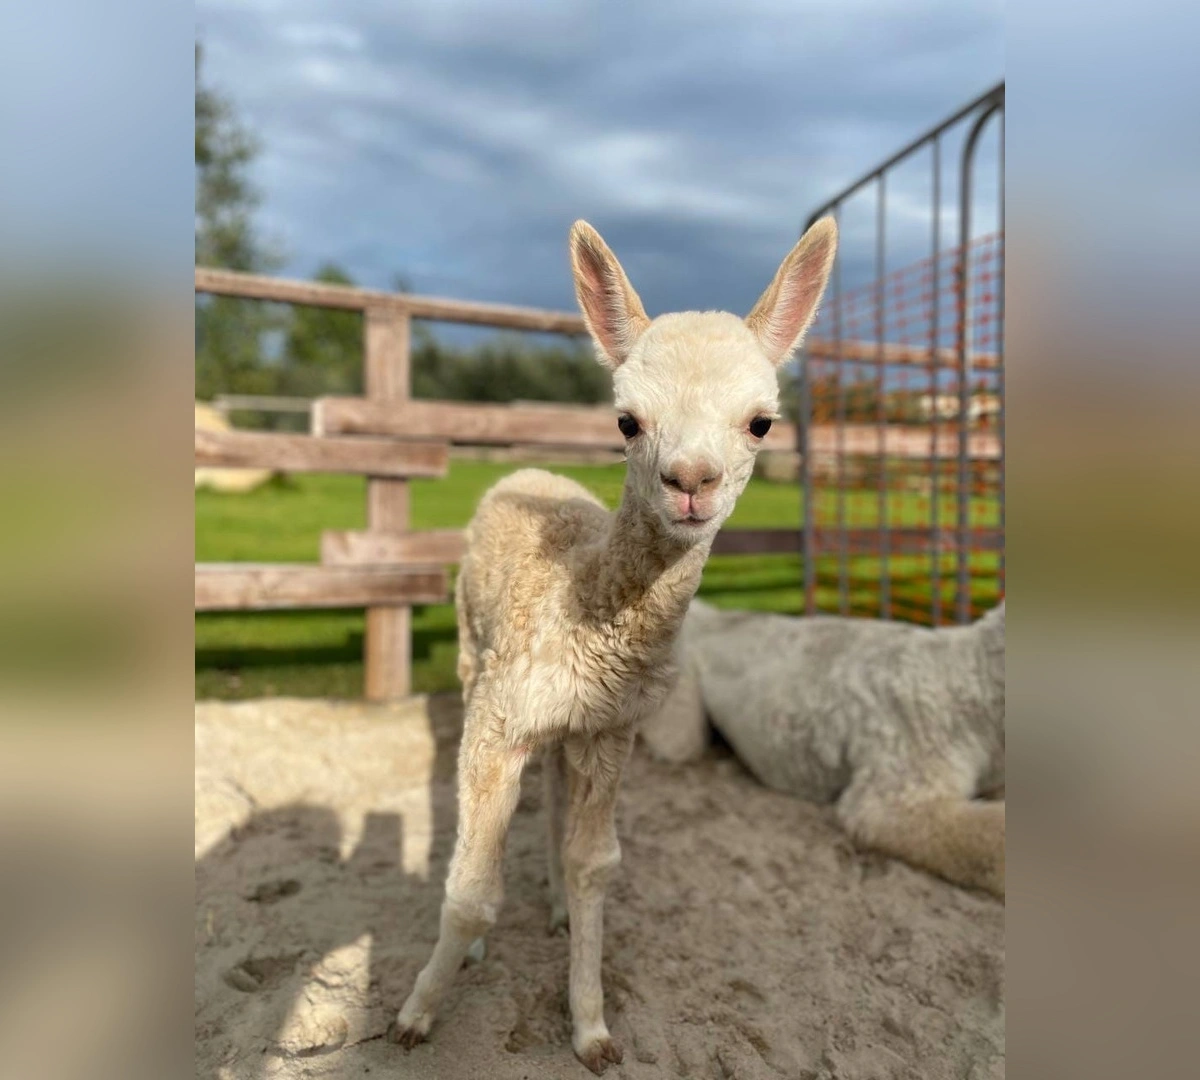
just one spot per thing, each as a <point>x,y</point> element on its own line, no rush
<point>555,767</point>
<point>590,855</point>
<point>468,650</point>
<point>957,838</point>
<point>489,783</point>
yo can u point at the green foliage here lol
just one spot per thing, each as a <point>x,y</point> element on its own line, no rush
<point>507,369</point>
<point>323,348</point>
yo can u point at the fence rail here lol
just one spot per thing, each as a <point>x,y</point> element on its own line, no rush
<point>306,453</point>
<point>354,298</point>
<point>266,587</point>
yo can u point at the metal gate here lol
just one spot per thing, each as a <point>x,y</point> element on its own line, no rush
<point>902,385</point>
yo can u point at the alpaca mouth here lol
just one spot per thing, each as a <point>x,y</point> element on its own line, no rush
<point>692,521</point>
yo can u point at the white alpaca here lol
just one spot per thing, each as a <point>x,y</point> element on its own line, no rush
<point>901,726</point>
<point>567,613</point>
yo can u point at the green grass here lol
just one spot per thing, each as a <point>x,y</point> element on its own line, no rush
<point>319,653</point>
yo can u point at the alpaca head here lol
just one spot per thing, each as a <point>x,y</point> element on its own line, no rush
<point>696,391</point>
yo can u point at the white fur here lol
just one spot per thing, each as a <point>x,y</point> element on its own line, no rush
<point>900,726</point>
<point>568,613</point>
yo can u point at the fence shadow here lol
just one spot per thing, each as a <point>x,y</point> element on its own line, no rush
<point>276,898</point>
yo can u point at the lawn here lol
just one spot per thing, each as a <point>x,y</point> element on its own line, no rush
<point>319,653</point>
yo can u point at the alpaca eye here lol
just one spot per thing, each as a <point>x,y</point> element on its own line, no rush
<point>759,426</point>
<point>628,425</point>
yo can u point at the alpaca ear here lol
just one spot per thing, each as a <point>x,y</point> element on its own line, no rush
<point>786,310</point>
<point>613,313</point>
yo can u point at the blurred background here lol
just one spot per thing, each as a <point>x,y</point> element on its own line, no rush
<point>444,150</point>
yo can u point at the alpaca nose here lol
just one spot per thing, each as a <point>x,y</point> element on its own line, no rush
<point>692,477</point>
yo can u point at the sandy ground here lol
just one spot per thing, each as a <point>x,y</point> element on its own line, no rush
<point>745,937</point>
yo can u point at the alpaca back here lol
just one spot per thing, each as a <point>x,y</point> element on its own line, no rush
<point>515,571</point>
<point>804,702</point>
<point>777,690</point>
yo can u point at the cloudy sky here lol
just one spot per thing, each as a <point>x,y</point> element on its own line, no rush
<point>454,141</point>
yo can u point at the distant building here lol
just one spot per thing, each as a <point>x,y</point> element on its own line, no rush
<point>982,408</point>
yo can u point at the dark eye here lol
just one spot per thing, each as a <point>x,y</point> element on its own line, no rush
<point>759,426</point>
<point>628,425</point>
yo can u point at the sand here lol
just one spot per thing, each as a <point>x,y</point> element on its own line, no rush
<point>745,937</point>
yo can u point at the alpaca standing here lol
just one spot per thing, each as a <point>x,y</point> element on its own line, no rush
<point>567,613</point>
<point>900,725</point>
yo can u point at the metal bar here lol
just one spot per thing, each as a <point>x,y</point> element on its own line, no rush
<point>885,584</point>
<point>843,553</point>
<point>966,171</point>
<point>958,356</point>
<point>935,566</point>
<point>995,93</point>
<point>807,510</point>
<point>1001,254</point>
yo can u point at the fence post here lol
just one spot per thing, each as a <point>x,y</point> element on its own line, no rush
<point>388,645</point>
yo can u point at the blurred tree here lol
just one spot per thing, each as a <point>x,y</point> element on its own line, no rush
<point>508,368</point>
<point>323,347</point>
<point>225,198</point>
<point>247,347</point>
<point>229,332</point>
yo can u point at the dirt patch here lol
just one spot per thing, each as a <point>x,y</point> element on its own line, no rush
<point>745,937</point>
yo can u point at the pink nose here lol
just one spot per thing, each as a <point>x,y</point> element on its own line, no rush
<point>692,477</point>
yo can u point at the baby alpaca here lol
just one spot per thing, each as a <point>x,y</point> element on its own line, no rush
<point>567,613</point>
<point>900,725</point>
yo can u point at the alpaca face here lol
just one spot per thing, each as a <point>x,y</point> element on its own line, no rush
<point>697,388</point>
<point>696,391</point>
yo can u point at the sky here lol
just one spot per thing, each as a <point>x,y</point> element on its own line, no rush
<point>454,141</point>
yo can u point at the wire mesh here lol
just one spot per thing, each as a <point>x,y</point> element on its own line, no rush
<point>884,397</point>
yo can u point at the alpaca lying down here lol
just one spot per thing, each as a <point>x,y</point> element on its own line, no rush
<point>901,726</point>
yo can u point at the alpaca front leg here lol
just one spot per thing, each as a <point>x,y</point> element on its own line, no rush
<point>489,786</point>
<point>959,839</point>
<point>590,854</point>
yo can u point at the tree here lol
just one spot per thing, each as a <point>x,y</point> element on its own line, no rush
<point>247,347</point>
<point>323,349</point>
<point>229,332</point>
<point>225,197</point>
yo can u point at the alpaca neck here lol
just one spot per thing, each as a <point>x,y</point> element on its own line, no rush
<point>640,569</point>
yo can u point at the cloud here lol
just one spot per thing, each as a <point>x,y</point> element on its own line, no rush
<point>455,140</point>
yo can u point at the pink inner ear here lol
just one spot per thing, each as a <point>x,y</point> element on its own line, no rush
<point>800,293</point>
<point>598,295</point>
<point>591,267</point>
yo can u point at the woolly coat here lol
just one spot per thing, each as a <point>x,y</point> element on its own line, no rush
<point>830,708</point>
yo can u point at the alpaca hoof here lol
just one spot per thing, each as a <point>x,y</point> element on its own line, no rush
<point>408,1033</point>
<point>407,1037</point>
<point>560,921</point>
<point>598,1053</point>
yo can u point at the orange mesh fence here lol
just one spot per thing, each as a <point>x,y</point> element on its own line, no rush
<point>905,444</point>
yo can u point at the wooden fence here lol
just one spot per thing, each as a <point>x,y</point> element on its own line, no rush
<point>390,438</point>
